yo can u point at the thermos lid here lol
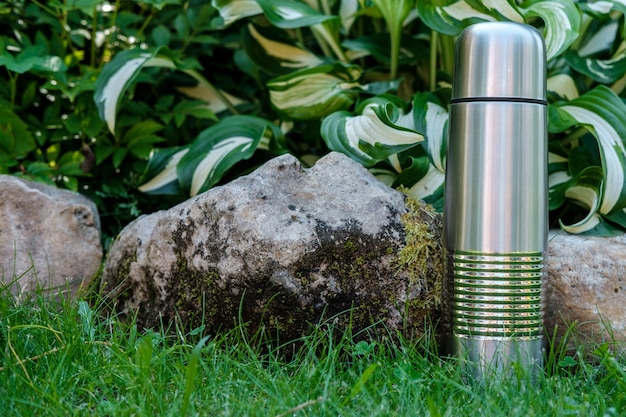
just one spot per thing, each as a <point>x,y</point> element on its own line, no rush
<point>500,60</point>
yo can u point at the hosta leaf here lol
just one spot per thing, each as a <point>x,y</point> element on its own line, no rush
<point>275,52</point>
<point>347,13</point>
<point>315,92</point>
<point>117,75</point>
<point>430,187</point>
<point>376,45</point>
<point>216,100</point>
<point>602,112</point>
<point>371,136</point>
<point>562,23</point>
<point>232,10</point>
<point>562,85</point>
<point>161,171</point>
<point>587,191</point>
<point>600,70</point>
<point>218,148</point>
<point>561,18</point>
<point>454,16</point>
<point>292,14</point>
<point>431,118</point>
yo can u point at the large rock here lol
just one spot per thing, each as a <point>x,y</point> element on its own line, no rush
<point>586,289</point>
<point>281,249</point>
<point>287,247</point>
<point>49,237</point>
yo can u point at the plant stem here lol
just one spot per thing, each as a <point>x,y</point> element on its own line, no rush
<point>432,77</point>
<point>619,85</point>
<point>395,51</point>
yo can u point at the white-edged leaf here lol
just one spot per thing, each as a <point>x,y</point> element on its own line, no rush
<point>430,187</point>
<point>233,10</point>
<point>214,100</point>
<point>117,75</point>
<point>587,191</point>
<point>601,41</point>
<point>161,171</point>
<point>209,165</point>
<point>218,148</point>
<point>561,18</point>
<point>315,92</point>
<point>604,71</point>
<point>451,17</point>
<point>563,85</point>
<point>275,54</point>
<point>562,23</point>
<point>292,14</point>
<point>602,112</point>
<point>347,13</point>
<point>431,118</point>
<point>371,136</point>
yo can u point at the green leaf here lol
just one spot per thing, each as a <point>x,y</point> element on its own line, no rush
<point>454,16</point>
<point>315,92</point>
<point>371,136</point>
<point>16,140</point>
<point>604,71</point>
<point>218,148</point>
<point>602,112</point>
<point>215,99</point>
<point>160,176</point>
<point>275,52</point>
<point>562,23</point>
<point>587,191</point>
<point>563,86</point>
<point>234,10</point>
<point>431,118</point>
<point>117,75</point>
<point>561,18</point>
<point>292,14</point>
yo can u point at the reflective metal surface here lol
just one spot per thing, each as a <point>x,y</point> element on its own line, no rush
<point>496,197</point>
<point>500,59</point>
<point>496,180</point>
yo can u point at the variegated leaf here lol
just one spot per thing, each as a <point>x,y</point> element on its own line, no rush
<point>562,23</point>
<point>218,148</point>
<point>563,85</point>
<point>117,75</point>
<point>561,18</point>
<point>587,191</point>
<point>233,10</point>
<point>431,118</point>
<point>161,171</point>
<point>600,70</point>
<point>602,112</point>
<point>315,92</point>
<point>372,135</point>
<point>292,14</point>
<point>275,52</point>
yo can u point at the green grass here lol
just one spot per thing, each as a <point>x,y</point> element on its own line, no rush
<point>64,359</point>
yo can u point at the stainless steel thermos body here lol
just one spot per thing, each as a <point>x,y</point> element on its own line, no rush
<point>496,196</point>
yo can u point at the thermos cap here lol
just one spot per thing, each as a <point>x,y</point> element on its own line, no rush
<point>500,60</point>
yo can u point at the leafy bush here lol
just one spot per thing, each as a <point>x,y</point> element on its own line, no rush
<point>194,93</point>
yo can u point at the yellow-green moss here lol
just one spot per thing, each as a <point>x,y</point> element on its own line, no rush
<point>423,254</point>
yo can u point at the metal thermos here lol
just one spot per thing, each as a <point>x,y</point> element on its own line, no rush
<point>496,197</point>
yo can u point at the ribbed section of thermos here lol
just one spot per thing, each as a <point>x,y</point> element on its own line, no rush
<point>496,196</point>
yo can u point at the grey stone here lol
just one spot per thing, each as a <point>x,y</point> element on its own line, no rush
<point>49,237</point>
<point>586,290</point>
<point>281,249</point>
<point>285,248</point>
